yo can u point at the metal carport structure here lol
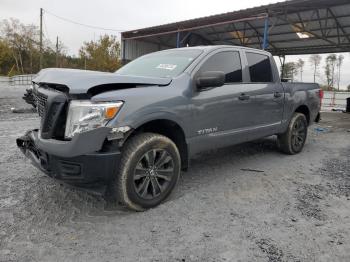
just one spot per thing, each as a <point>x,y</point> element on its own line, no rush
<point>285,28</point>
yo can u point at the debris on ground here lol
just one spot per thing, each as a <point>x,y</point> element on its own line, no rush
<point>320,129</point>
<point>23,110</point>
<point>252,170</point>
<point>338,110</point>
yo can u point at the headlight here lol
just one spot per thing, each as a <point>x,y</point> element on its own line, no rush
<point>84,115</point>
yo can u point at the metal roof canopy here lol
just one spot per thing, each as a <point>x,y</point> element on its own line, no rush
<point>285,28</point>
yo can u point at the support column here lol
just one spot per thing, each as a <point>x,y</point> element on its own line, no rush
<point>178,44</point>
<point>266,34</point>
<point>123,51</point>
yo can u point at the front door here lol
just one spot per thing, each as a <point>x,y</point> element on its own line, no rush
<point>221,113</point>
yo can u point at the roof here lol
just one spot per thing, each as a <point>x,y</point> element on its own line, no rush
<point>294,27</point>
<point>209,48</point>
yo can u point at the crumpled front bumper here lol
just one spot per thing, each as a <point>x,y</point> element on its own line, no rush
<point>78,161</point>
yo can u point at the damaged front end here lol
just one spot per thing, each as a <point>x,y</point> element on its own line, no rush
<point>27,146</point>
<point>83,160</point>
<point>87,157</point>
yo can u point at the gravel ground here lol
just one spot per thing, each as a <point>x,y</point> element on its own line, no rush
<point>242,203</point>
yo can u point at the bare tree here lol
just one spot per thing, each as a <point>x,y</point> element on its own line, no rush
<point>340,59</point>
<point>329,69</point>
<point>61,51</point>
<point>315,61</point>
<point>300,66</point>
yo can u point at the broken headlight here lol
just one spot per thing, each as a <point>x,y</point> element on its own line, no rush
<point>85,115</point>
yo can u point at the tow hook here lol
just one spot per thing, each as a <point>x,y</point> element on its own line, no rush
<point>23,143</point>
<point>27,146</point>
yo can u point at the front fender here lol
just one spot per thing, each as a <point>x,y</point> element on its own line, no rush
<point>157,116</point>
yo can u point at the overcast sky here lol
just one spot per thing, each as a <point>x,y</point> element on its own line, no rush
<point>127,15</point>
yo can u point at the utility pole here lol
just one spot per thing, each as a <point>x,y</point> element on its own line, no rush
<point>41,38</point>
<point>57,51</point>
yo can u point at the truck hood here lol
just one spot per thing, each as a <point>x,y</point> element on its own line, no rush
<point>74,81</point>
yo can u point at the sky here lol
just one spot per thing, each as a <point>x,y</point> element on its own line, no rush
<point>128,15</point>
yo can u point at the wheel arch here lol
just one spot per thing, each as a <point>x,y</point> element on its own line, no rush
<point>303,109</point>
<point>170,129</point>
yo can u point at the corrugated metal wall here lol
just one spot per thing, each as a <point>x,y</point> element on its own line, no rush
<point>132,49</point>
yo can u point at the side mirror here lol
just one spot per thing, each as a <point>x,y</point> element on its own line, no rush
<point>210,79</point>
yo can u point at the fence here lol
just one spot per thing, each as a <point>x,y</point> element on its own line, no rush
<point>334,100</point>
<point>4,79</point>
<point>21,80</point>
<point>18,80</point>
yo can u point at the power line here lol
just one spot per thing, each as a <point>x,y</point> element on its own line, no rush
<point>81,24</point>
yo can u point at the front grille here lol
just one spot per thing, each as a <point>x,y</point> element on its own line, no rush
<point>50,118</point>
<point>41,100</point>
<point>51,107</point>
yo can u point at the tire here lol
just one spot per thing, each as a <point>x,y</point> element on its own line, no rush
<point>292,141</point>
<point>149,169</point>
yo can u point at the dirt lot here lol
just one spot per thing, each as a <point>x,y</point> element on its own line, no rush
<point>296,209</point>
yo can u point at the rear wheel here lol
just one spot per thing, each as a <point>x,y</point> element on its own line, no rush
<point>293,140</point>
<point>148,171</point>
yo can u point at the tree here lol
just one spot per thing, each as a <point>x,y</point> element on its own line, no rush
<point>329,69</point>
<point>20,52</point>
<point>61,53</point>
<point>101,55</point>
<point>289,70</point>
<point>348,88</point>
<point>300,66</point>
<point>23,42</point>
<point>340,59</point>
<point>6,59</point>
<point>315,61</point>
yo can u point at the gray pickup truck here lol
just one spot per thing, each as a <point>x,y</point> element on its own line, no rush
<point>136,129</point>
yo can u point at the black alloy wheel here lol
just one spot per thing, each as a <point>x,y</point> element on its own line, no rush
<point>148,171</point>
<point>292,141</point>
<point>153,173</point>
<point>299,132</point>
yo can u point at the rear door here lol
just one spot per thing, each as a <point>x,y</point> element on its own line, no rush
<point>268,93</point>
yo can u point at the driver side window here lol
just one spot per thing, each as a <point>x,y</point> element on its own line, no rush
<point>228,62</point>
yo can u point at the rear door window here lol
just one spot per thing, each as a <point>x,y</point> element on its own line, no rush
<point>259,67</point>
<point>228,62</point>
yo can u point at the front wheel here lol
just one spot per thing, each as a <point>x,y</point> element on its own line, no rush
<point>292,141</point>
<point>148,171</point>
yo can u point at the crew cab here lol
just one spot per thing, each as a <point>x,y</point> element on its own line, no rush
<point>136,129</point>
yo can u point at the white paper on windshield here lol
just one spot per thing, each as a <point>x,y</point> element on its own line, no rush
<point>166,66</point>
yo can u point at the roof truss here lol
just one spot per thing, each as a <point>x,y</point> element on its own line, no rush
<point>295,27</point>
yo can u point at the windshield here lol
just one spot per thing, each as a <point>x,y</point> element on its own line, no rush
<point>161,64</point>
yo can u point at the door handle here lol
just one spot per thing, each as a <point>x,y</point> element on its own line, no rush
<point>243,97</point>
<point>277,94</point>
